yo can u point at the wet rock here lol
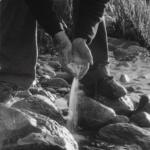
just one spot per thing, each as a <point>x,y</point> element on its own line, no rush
<point>135,98</point>
<point>40,105</point>
<point>124,133</point>
<point>93,114</point>
<point>124,78</point>
<point>55,83</point>
<point>122,106</point>
<point>142,119</point>
<point>24,130</point>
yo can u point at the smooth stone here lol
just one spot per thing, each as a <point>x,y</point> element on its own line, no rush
<point>125,133</point>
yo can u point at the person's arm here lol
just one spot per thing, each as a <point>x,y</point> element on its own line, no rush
<point>89,14</point>
<point>46,17</point>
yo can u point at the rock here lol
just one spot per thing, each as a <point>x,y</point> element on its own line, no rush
<point>51,90</point>
<point>144,104</point>
<point>24,130</point>
<point>147,76</point>
<point>125,133</point>
<point>49,70</point>
<point>124,78</point>
<point>41,91</point>
<point>55,83</point>
<point>120,119</point>
<point>65,75</point>
<point>61,103</point>
<point>46,76</point>
<point>40,105</point>
<point>130,89</point>
<point>122,106</point>
<point>93,114</point>
<point>142,119</point>
<point>40,72</point>
<point>63,90</point>
<point>54,64</point>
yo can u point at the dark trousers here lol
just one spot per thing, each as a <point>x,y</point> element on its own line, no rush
<point>99,46</point>
<point>18,51</point>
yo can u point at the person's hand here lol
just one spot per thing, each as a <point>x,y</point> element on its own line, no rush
<point>81,55</point>
<point>64,47</point>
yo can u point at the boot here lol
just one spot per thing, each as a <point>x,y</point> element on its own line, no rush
<point>98,81</point>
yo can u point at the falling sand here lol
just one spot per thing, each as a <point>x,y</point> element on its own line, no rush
<point>73,103</point>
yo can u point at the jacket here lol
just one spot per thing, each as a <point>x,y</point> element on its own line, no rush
<point>88,16</point>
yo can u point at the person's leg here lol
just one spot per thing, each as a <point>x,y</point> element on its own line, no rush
<point>99,46</point>
<point>98,80</point>
<point>17,47</point>
<point>17,43</point>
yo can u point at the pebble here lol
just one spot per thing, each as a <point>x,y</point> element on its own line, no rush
<point>124,78</point>
<point>130,89</point>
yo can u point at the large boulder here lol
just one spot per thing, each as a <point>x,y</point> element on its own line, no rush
<point>142,119</point>
<point>122,106</point>
<point>93,114</point>
<point>40,105</point>
<point>124,133</point>
<point>24,130</point>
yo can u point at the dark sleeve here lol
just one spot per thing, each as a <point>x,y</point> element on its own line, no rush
<point>46,17</point>
<point>89,14</point>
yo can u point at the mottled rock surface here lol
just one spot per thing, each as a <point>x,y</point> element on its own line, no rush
<point>26,130</point>
<point>142,119</point>
<point>122,106</point>
<point>41,105</point>
<point>93,114</point>
<point>124,133</point>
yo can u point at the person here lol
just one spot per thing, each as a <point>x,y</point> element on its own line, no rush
<point>18,44</point>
